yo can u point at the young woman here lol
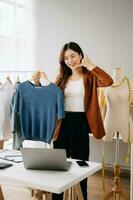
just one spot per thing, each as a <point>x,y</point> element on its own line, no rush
<point>79,79</point>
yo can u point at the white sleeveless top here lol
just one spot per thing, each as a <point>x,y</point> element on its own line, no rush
<point>74,96</point>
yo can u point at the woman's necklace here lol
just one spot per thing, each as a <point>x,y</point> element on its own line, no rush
<point>119,84</point>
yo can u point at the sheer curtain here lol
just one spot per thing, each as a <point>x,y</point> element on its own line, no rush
<point>17,35</point>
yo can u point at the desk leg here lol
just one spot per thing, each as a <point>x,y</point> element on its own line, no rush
<point>74,194</point>
<point>66,195</point>
<point>79,192</point>
<point>1,194</point>
<point>38,194</point>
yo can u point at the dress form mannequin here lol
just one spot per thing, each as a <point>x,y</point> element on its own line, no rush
<point>118,75</point>
<point>117,116</point>
<point>118,119</point>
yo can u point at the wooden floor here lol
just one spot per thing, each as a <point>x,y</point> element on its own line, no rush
<point>95,191</point>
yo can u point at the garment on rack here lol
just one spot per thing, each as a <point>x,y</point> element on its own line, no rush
<point>38,108</point>
<point>6,92</point>
<point>18,137</point>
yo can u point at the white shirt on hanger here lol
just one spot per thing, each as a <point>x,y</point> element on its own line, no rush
<point>6,93</point>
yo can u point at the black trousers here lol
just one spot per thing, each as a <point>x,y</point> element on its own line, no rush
<point>74,137</point>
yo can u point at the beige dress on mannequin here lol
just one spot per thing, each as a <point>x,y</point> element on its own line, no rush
<point>117,116</point>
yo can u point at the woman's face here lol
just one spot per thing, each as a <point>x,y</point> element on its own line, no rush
<point>72,59</point>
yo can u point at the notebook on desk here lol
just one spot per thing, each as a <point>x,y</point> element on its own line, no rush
<point>45,159</point>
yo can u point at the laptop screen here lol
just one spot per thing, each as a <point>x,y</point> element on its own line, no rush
<point>45,159</point>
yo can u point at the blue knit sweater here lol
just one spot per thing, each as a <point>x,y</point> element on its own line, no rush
<point>38,108</point>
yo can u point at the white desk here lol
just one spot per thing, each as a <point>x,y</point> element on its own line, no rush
<point>50,181</point>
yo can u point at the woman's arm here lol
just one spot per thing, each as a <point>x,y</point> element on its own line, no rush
<point>103,79</point>
<point>57,128</point>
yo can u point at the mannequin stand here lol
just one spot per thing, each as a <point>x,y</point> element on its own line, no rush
<point>116,192</point>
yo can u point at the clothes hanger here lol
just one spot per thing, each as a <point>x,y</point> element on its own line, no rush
<point>44,80</point>
<point>18,81</point>
<point>8,78</point>
<point>39,80</point>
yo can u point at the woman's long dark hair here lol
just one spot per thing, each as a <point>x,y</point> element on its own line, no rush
<point>65,71</point>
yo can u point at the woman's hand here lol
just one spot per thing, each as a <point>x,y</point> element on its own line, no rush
<point>39,77</point>
<point>36,77</point>
<point>86,62</point>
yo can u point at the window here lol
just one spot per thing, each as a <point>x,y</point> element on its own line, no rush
<point>17,35</point>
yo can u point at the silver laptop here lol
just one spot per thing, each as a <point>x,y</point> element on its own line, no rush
<point>45,159</point>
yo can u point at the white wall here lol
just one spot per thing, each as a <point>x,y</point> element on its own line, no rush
<point>122,33</point>
<point>103,28</point>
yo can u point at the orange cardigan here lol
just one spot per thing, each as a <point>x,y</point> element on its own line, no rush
<point>92,79</point>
